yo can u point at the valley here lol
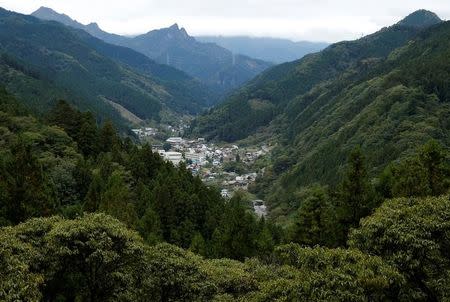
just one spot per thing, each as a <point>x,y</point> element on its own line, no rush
<point>222,162</point>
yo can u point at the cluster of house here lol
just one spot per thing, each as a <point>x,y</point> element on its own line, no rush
<point>207,160</point>
<point>144,132</point>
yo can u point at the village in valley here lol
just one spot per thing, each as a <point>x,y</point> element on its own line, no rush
<point>230,168</point>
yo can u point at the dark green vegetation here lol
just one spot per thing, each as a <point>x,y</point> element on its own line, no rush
<point>387,93</point>
<point>112,219</point>
<point>217,67</point>
<point>96,258</point>
<point>43,61</point>
<point>86,215</point>
<point>68,166</point>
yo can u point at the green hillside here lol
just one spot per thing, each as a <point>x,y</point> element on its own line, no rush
<point>46,61</point>
<point>389,111</point>
<point>387,93</point>
<point>218,68</point>
<point>88,216</point>
<point>236,119</point>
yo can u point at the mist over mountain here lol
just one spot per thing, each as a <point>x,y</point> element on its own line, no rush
<point>212,64</point>
<point>44,61</point>
<point>267,49</point>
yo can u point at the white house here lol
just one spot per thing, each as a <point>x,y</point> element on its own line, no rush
<point>175,140</point>
<point>174,157</point>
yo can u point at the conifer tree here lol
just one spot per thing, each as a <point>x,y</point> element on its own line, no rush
<point>356,198</point>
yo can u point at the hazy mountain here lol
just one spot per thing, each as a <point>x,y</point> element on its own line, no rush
<point>267,49</point>
<point>45,61</point>
<point>46,13</point>
<point>172,46</point>
<point>421,19</point>
<point>387,92</point>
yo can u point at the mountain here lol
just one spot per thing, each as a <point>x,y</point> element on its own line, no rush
<point>421,19</point>
<point>267,49</point>
<point>212,64</point>
<point>87,216</point>
<point>263,99</point>
<point>44,61</point>
<point>387,92</point>
<point>48,14</point>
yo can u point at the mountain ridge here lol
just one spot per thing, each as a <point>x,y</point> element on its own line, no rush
<point>173,46</point>
<point>275,50</point>
<point>68,63</point>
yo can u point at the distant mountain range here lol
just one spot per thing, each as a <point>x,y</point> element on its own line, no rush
<point>267,49</point>
<point>212,64</point>
<point>388,92</point>
<point>42,62</point>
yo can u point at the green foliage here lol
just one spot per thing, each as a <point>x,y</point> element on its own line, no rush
<point>356,197</point>
<point>44,172</point>
<point>424,173</point>
<point>340,275</point>
<point>96,258</point>
<point>27,192</point>
<point>411,234</point>
<point>389,106</point>
<point>315,222</point>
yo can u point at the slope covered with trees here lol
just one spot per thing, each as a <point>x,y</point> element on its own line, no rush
<point>387,93</point>
<point>70,166</point>
<point>89,216</point>
<point>400,105</point>
<point>217,67</point>
<point>46,61</point>
<point>283,84</point>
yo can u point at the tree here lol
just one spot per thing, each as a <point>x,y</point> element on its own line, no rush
<point>421,174</point>
<point>434,161</point>
<point>167,146</point>
<point>116,199</point>
<point>198,244</point>
<point>264,240</point>
<point>412,235</point>
<point>315,222</point>
<point>94,193</point>
<point>108,137</point>
<point>87,136</point>
<point>236,234</point>
<point>355,192</point>
<point>335,275</point>
<point>149,227</point>
<point>28,192</point>
<point>66,117</point>
<point>410,178</point>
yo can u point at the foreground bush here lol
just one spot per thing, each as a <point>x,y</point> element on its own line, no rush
<point>413,235</point>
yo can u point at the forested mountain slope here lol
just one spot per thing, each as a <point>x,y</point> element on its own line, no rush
<point>387,93</point>
<point>44,61</point>
<point>215,66</point>
<point>267,49</point>
<point>399,105</point>
<point>266,97</point>
<point>88,216</point>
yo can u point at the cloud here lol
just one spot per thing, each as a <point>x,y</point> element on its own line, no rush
<point>318,20</point>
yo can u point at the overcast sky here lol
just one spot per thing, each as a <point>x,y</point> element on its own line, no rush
<point>315,20</point>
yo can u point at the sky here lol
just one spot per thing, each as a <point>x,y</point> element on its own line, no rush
<point>313,20</point>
